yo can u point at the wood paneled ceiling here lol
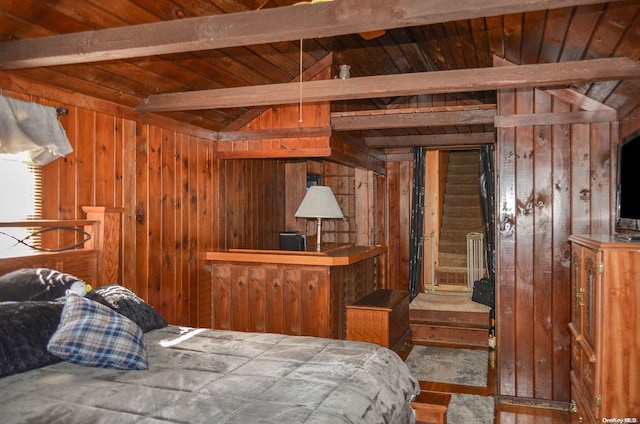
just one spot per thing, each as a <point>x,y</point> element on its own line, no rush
<point>426,45</point>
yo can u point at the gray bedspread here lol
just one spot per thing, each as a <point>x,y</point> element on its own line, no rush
<point>212,376</point>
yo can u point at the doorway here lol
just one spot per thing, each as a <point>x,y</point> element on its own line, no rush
<point>453,236</point>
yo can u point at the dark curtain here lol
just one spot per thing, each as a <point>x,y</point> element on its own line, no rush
<point>417,222</point>
<point>488,203</point>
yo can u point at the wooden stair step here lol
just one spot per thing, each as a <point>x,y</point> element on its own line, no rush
<point>449,247</point>
<point>448,320</point>
<point>431,407</point>
<point>453,269</point>
<point>441,335</point>
<point>466,189</point>
<point>455,260</point>
<point>452,318</point>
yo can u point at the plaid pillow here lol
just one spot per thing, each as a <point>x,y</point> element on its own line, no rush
<point>91,334</point>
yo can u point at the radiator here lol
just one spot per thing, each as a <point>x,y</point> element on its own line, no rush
<point>475,258</point>
<point>429,262</point>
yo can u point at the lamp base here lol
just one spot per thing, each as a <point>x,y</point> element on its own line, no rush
<point>319,238</point>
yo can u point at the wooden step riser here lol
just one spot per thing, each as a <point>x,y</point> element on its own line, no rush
<point>464,179</point>
<point>437,335</point>
<point>458,207</point>
<point>458,235</point>
<point>477,320</point>
<point>453,262</point>
<point>453,248</point>
<point>463,189</point>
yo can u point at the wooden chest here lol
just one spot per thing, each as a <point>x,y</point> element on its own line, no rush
<point>381,317</point>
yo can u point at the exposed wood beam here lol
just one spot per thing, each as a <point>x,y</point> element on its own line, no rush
<point>274,133</point>
<point>413,118</point>
<point>399,154</point>
<point>464,80</point>
<point>432,140</point>
<point>587,117</point>
<point>283,153</point>
<point>411,110</point>
<point>346,153</point>
<point>357,142</point>
<point>573,97</point>
<point>263,26</point>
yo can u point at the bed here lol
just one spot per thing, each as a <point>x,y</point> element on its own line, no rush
<point>54,369</point>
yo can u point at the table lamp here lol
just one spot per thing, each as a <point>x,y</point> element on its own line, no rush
<point>319,202</point>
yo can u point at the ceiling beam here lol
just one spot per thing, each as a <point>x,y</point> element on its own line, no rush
<point>324,19</point>
<point>556,118</point>
<point>438,82</point>
<point>414,118</point>
<point>578,99</point>
<point>275,133</point>
<point>432,140</point>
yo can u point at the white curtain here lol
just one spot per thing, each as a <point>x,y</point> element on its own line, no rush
<point>32,128</point>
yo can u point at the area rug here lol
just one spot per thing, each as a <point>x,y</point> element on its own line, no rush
<point>470,409</point>
<point>467,367</point>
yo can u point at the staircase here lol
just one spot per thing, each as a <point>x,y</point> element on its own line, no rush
<point>461,214</point>
<point>448,317</point>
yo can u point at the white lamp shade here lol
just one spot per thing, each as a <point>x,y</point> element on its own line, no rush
<point>319,202</point>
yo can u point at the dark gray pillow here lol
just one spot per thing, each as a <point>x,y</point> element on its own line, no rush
<point>25,330</point>
<point>127,303</point>
<point>36,284</point>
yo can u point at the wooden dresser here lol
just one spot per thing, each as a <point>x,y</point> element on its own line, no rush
<point>605,330</point>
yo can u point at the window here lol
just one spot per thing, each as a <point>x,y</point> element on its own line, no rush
<point>20,191</point>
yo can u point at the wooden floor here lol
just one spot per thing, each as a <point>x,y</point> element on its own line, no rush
<point>504,413</point>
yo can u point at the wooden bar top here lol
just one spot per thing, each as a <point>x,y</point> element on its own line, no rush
<point>332,256</point>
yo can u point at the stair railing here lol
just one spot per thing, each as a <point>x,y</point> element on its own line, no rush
<point>475,258</point>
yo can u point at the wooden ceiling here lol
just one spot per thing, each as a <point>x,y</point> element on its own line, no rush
<point>212,63</point>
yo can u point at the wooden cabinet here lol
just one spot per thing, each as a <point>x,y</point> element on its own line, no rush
<point>298,293</point>
<point>605,327</point>
<point>381,317</point>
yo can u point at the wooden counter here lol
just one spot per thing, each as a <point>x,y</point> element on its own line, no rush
<point>333,256</point>
<point>291,292</point>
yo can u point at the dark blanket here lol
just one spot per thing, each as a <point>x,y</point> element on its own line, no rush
<point>212,376</point>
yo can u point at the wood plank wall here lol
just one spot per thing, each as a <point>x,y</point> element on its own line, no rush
<point>290,116</point>
<point>630,125</point>
<point>178,198</point>
<point>164,175</point>
<point>252,207</point>
<point>398,188</point>
<point>341,179</point>
<point>552,181</point>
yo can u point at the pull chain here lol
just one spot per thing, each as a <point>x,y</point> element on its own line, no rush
<point>300,120</point>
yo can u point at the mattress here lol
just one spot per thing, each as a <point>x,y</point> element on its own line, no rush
<point>217,376</point>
